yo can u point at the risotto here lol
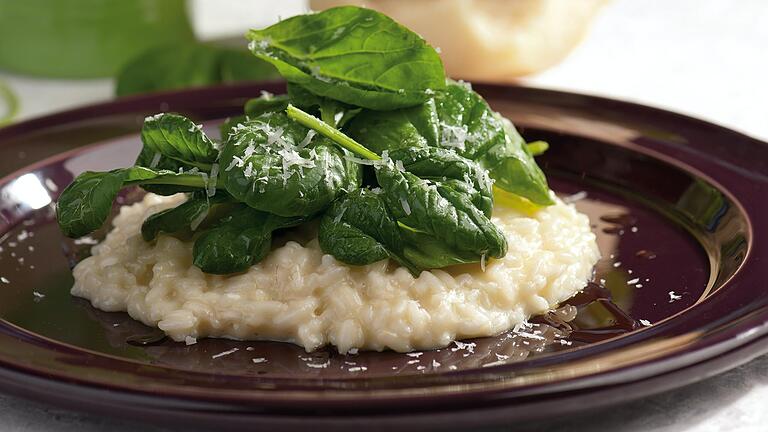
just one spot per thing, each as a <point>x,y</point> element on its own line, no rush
<point>301,295</point>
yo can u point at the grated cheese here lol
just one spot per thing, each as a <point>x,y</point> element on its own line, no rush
<point>307,139</point>
<point>453,136</point>
<point>199,219</point>
<point>225,353</point>
<point>211,189</point>
<point>155,160</point>
<point>406,206</point>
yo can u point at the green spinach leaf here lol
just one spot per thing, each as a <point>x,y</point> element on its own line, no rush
<point>331,111</point>
<point>180,139</point>
<point>441,201</point>
<point>239,240</point>
<point>461,120</point>
<point>229,124</point>
<point>185,218</point>
<point>359,230</point>
<point>354,55</point>
<point>266,103</point>
<point>85,204</point>
<point>443,209</point>
<point>273,164</point>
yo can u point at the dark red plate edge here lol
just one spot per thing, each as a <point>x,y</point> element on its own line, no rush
<point>173,412</point>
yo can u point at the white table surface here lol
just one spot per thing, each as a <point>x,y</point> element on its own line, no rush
<point>706,58</point>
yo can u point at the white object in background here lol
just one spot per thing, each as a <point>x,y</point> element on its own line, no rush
<point>705,58</point>
<point>491,40</point>
<point>213,19</point>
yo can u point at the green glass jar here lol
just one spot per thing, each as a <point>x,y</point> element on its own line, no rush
<point>85,38</point>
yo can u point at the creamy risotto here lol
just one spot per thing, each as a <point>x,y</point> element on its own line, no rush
<point>301,295</point>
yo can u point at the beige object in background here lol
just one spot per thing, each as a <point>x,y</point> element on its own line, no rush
<point>491,40</point>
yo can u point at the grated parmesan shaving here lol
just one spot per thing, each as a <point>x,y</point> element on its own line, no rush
<point>578,196</point>
<point>319,365</point>
<point>199,219</point>
<point>155,160</point>
<point>340,215</point>
<point>359,160</point>
<point>275,136</point>
<point>399,166</point>
<point>225,353</point>
<point>213,178</point>
<point>248,172</point>
<point>307,139</point>
<point>406,206</point>
<point>453,136</point>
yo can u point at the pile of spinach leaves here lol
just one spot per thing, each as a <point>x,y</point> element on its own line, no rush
<point>371,139</point>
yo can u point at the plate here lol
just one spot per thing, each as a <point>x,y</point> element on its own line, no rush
<point>679,207</point>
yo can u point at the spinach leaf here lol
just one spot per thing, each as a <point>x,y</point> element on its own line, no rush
<point>333,112</point>
<point>185,218</point>
<point>461,120</point>
<point>440,200</point>
<point>229,124</point>
<point>329,132</point>
<point>391,130</point>
<point>85,204</point>
<point>186,65</point>
<point>354,55</point>
<point>426,252</point>
<point>511,164</point>
<point>359,230</point>
<point>266,103</point>
<point>275,165</point>
<point>239,240</point>
<point>446,169</point>
<point>468,125</point>
<point>442,209</point>
<point>180,139</point>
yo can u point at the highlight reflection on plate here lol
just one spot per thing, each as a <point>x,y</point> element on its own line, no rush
<point>678,283</point>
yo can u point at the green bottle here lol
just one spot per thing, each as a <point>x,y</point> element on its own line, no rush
<point>85,38</point>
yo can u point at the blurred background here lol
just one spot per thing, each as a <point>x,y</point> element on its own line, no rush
<point>700,57</point>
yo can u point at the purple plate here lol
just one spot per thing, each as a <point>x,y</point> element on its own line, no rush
<point>679,207</point>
